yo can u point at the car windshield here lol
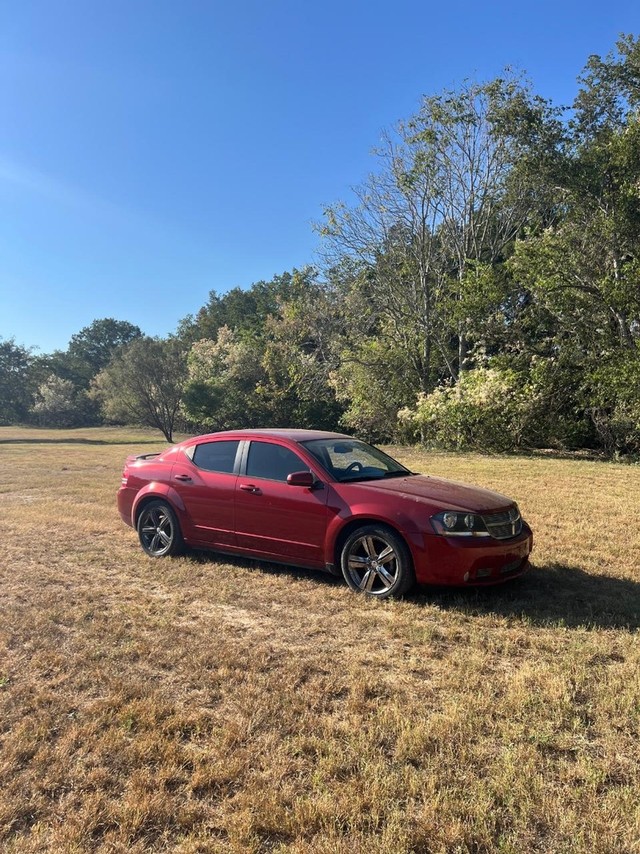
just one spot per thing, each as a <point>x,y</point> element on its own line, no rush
<point>351,459</point>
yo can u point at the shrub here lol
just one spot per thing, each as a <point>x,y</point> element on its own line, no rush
<point>488,409</point>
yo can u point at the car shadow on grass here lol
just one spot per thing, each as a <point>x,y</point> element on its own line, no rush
<point>550,595</point>
<point>264,567</point>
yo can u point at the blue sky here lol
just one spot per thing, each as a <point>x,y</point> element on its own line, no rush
<point>152,151</point>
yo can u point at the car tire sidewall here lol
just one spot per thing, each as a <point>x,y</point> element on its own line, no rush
<point>405,576</point>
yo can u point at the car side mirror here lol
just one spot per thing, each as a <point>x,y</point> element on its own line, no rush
<point>301,478</point>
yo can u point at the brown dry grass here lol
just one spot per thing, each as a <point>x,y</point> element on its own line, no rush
<point>199,705</point>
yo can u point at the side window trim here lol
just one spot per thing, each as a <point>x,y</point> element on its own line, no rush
<point>238,460</point>
<point>242,457</point>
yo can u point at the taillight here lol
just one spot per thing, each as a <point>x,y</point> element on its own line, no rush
<point>125,476</point>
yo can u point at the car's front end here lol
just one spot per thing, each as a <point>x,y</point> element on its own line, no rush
<point>466,548</point>
<point>457,534</point>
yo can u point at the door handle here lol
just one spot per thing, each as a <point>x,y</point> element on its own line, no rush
<point>249,487</point>
<point>183,477</point>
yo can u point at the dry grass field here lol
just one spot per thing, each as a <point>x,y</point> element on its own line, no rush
<point>204,705</point>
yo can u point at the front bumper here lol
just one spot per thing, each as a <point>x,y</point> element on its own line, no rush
<point>470,561</point>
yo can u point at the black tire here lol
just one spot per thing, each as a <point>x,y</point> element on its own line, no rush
<point>376,561</point>
<point>159,530</point>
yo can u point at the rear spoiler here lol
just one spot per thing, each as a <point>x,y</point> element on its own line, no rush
<point>133,458</point>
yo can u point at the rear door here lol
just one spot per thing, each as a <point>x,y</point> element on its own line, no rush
<point>206,480</point>
<point>274,518</point>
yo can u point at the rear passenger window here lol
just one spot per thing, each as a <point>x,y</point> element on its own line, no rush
<point>216,456</point>
<point>272,461</point>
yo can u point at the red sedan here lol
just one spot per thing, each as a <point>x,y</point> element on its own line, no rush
<point>323,501</point>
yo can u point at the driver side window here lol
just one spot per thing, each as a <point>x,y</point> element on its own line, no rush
<point>273,462</point>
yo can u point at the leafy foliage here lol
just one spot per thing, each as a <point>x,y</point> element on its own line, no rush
<point>143,385</point>
<point>485,285</point>
<point>55,404</point>
<point>94,346</point>
<point>222,377</point>
<point>278,375</point>
<point>486,409</point>
<point>15,382</point>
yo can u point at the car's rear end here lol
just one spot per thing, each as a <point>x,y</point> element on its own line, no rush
<point>138,471</point>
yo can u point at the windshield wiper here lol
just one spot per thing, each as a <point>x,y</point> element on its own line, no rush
<point>381,476</point>
<point>361,477</point>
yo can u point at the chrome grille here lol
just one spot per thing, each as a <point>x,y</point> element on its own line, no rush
<point>505,525</point>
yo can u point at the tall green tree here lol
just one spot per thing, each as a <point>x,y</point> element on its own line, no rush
<point>89,351</point>
<point>92,348</point>
<point>278,374</point>
<point>300,353</point>
<point>430,233</point>
<point>245,310</point>
<point>16,382</point>
<point>143,384</point>
<point>222,377</point>
<point>584,268</point>
<point>55,403</point>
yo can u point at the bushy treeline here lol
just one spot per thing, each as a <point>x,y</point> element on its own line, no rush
<point>482,292</point>
<point>55,389</point>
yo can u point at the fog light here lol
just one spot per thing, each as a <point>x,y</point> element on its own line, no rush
<point>484,572</point>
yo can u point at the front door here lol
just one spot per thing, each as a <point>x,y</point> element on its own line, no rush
<point>274,518</point>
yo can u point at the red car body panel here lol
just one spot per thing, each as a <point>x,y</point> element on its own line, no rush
<point>274,518</point>
<point>208,499</point>
<point>265,518</point>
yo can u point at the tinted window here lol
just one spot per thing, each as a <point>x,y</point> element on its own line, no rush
<point>272,461</point>
<point>216,456</point>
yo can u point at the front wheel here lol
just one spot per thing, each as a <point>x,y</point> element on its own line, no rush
<point>376,561</point>
<point>159,530</point>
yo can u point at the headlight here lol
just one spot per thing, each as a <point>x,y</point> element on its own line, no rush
<point>450,523</point>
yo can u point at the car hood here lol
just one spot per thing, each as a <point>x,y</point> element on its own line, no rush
<point>448,494</point>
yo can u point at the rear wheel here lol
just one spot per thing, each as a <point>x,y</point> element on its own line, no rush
<point>159,530</point>
<point>376,561</point>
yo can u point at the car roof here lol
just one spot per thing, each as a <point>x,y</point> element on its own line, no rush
<point>292,434</point>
